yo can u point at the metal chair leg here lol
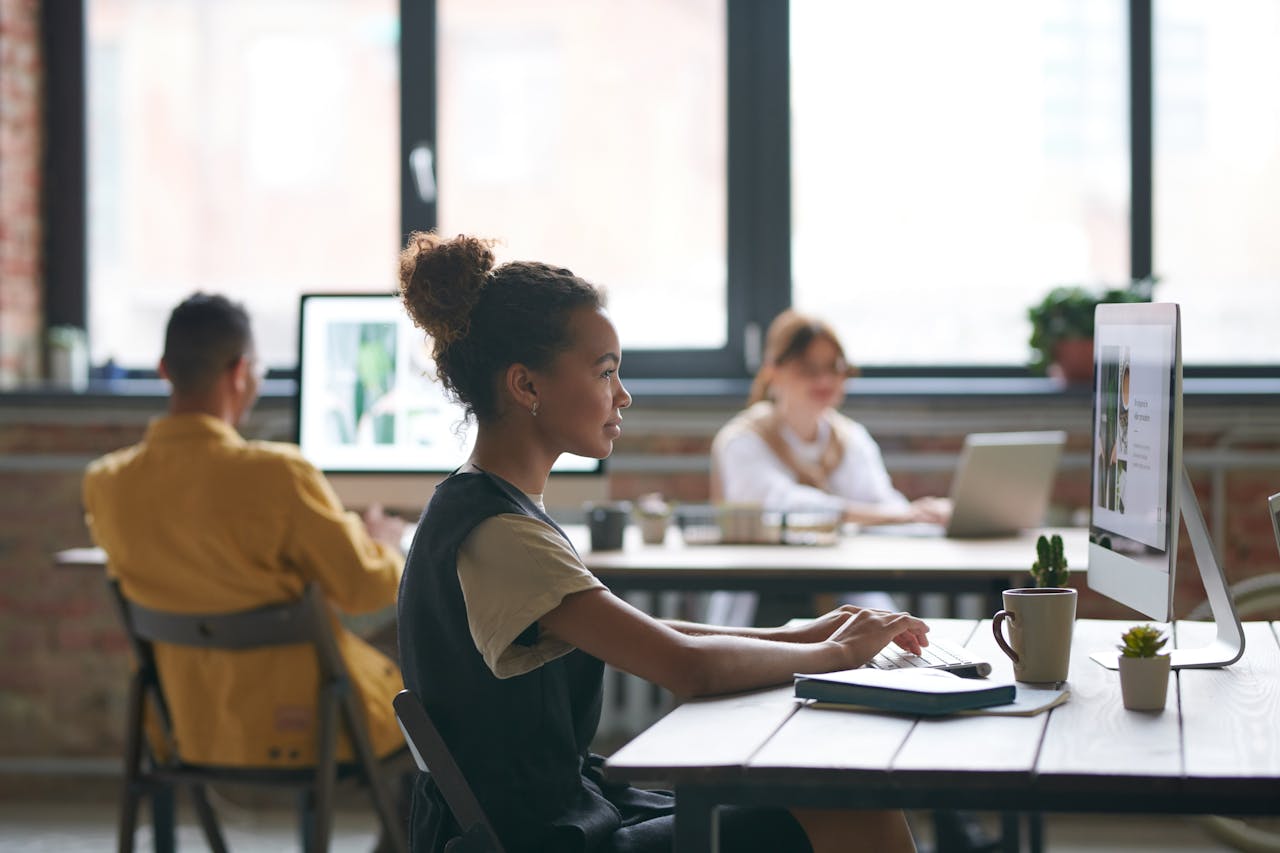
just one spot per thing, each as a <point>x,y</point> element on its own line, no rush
<point>208,820</point>
<point>162,819</point>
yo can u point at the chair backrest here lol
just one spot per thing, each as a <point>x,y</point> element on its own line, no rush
<point>432,755</point>
<point>296,622</point>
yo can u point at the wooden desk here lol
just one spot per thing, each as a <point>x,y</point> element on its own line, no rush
<point>1215,749</point>
<point>865,561</point>
<point>895,563</point>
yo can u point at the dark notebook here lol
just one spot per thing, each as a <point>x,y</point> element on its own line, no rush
<point>908,691</point>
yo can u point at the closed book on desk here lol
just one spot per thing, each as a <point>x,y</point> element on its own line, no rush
<point>908,691</point>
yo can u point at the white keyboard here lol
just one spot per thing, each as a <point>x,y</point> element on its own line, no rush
<point>939,654</point>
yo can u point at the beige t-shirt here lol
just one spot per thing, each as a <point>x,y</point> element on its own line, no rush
<point>513,570</point>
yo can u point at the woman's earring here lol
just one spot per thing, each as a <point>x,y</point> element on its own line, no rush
<point>533,410</point>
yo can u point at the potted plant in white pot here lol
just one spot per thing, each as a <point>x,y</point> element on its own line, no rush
<point>1144,672</point>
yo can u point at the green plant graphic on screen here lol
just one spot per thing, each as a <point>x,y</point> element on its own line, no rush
<point>362,387</point>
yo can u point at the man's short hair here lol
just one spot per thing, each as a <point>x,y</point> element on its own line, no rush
<point>206,334</point>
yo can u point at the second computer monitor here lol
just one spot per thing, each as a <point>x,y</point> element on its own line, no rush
<point>370,404</point>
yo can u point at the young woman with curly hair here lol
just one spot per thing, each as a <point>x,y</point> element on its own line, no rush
<point>504,633</point>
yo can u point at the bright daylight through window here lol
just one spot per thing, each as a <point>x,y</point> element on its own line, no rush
<point>951,162</point>
<point>593,136</point>
<point>240,147</point>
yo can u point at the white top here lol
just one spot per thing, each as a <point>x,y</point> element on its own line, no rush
<point>750,472</point>
<point>513,570</point>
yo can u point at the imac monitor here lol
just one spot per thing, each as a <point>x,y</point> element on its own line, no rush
<point>1140,489</point>
<point>369,403</point>
<point>1137,446</point>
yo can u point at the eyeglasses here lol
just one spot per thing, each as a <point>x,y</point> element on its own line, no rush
<point>838,369</point>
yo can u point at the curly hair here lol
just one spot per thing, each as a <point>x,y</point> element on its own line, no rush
<point>483,318</point>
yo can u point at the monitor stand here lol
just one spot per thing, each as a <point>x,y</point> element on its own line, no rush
<point>1228,646</point>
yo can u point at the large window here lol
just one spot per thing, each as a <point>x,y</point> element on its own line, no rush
<point>1217,175</point>
<point>920,174</point>
<point>950,163</point>
<point>592,135</point>
<point>241,147</point>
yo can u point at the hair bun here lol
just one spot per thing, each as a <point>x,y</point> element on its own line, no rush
<point>441,281</point>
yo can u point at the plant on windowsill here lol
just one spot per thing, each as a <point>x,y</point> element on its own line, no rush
<point>1062,326</point>
<point>1050,569</point>
<point>1144,672</point>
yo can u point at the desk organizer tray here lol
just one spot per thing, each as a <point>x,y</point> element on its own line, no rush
<point>743,524</point>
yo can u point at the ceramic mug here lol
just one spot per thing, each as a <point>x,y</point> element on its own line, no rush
<point>607,522</point>
<point>1040,622</point>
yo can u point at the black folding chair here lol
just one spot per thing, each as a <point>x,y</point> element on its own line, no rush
<point>432,755</point>
<point>304,621</point>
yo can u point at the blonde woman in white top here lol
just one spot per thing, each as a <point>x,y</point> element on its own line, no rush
<point>792,449</point>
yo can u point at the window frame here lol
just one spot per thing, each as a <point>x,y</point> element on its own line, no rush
<point>758,176</point>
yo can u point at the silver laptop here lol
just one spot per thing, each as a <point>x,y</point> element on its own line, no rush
<point>1003,482</point>
<point>1001,486</point>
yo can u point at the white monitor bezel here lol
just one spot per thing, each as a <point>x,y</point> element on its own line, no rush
<point>1146,584</point>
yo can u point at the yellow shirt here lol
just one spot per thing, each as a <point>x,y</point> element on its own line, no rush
<point>196,519</point>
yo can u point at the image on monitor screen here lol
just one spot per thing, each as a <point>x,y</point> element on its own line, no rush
<point>369,399</point>
<point>1134,424</point>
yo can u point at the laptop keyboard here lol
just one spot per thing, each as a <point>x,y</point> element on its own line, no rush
<point>939,654</point>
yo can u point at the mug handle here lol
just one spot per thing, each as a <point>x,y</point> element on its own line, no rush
<point>995,629</point>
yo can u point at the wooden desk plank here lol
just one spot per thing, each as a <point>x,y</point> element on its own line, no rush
<point>822,738</point>
<point>976,744</point>
<point>1246,742</point>
<point>1092,734</point>
<point>703,736</point>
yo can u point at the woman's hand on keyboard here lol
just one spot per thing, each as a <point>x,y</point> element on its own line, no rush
<point>865,632</point>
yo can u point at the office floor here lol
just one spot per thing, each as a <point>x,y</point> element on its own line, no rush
<point>49,827</point>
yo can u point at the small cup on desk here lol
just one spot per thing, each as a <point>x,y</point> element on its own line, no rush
<point>607,522</point>
<point>653,528</point>
<point>1040,622</point>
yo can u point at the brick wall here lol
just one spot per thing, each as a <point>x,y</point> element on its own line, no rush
<point>21,142</point>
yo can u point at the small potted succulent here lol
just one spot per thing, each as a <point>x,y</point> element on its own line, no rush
<point>1050,568</point>
<point>1144,672</point>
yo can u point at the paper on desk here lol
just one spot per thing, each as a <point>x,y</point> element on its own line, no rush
<point>1029,702</point>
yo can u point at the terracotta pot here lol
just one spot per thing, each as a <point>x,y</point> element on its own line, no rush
<point>1073,361</point>
<point>1144,682</point>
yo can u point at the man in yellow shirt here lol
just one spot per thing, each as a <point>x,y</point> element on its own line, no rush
<point>196,519</point>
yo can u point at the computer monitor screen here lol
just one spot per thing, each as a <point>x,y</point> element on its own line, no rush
<point>1137,455</point>
<point>369,400</point>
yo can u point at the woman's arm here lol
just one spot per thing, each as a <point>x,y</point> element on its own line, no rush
<point>700,664</point>
<point>802,631</point>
